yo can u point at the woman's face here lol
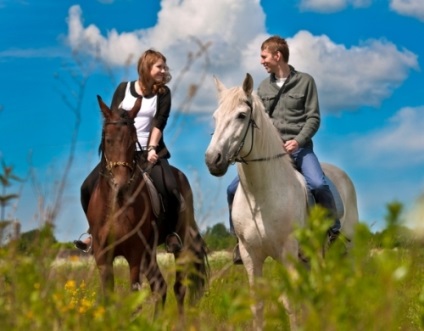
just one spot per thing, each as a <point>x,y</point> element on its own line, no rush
<point>158,71</point>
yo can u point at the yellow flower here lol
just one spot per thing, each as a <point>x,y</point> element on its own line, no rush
<point>99,312</point>
<point>70,285</point>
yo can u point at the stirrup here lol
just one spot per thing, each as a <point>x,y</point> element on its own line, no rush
<point>174,247</point>
<point>77,243</point>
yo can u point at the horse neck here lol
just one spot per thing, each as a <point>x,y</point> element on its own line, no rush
<point>270,164</point>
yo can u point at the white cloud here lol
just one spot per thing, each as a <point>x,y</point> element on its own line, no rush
<point>350,77</point>
<point>331,6</point>
<point>234,30</point>
<point>399,144</point>
<point>413,8</point>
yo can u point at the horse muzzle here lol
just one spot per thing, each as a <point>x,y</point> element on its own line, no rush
<point>216,163</point>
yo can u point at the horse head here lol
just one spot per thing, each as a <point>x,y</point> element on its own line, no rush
<point>118,145</point>
<point>233,119</point>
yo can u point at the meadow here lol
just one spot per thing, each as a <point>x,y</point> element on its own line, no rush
<point>378,285</point>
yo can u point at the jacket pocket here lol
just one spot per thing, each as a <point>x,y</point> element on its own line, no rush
<point>268,100</point>
<point>295,101</point>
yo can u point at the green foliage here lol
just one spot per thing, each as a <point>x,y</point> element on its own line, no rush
<point>219,238</point>
<point>359,285</point>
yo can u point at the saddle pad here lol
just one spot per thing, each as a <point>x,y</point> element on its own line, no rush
<point>155,198</point>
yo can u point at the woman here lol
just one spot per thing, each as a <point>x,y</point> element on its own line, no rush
<point>153,75</point>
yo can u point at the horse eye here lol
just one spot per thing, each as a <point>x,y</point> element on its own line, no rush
<point>212,133</point>
<point>241,116</point>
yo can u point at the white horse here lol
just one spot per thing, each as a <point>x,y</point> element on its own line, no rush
<point>271,198</point>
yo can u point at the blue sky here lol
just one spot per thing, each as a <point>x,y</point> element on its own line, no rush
<point>56,56</point>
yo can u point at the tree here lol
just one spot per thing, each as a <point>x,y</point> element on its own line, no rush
<point>6,180</point>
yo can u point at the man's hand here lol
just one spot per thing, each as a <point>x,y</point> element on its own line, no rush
<point>291,146</point>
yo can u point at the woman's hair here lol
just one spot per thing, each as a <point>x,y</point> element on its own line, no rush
<point>144,66</point>
<point>277,44</point>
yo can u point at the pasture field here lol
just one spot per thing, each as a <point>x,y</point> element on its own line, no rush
<point>374,287</point>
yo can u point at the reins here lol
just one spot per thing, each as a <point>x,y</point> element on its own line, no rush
<point>242,159</point>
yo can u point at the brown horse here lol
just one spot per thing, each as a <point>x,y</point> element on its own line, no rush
<point>123,221</point>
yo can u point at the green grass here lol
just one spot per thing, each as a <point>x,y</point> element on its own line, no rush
<point>371,288</point>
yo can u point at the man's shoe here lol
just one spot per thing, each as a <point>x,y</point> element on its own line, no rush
<point>81,245</point>
<point>236,255</point>
<point>332,236</point>
<point>173,243</point>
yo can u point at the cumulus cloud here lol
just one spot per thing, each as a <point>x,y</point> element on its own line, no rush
<point>233,32</point>
<point>349,77</point>
<point>412,8</point>
<point>400,139</point>
<point>331,6</point>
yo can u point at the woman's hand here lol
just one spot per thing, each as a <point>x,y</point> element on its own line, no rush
<point>152,156</point>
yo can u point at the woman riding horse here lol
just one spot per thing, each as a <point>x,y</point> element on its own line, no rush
<point>150,122</point>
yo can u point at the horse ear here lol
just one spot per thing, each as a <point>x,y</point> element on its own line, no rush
<point>248,85</point>
<point>103,107</point>
<point>219,86</point>
<point>136,108</point>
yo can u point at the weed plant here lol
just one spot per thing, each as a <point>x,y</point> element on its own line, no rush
<point>372,287</point>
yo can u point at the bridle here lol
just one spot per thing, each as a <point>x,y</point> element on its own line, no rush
<point>250,125</point>
<point>112,164</point>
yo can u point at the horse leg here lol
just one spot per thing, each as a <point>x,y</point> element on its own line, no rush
<point>179,287</point>
<point>107,278</point>
<point>254,268</point>
<point>291,247</point>
<point>156,281</point>
<point>135,279</point>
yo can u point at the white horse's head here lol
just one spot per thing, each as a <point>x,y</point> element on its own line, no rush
<point>233,121</point>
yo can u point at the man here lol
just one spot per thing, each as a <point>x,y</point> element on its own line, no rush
<point>291,100</point>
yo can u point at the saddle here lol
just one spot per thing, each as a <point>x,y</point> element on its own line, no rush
<point>157,204</point>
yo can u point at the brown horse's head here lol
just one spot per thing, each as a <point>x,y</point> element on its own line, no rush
<point>118,145</point>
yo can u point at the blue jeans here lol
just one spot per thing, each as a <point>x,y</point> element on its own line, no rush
<point>306,162</point>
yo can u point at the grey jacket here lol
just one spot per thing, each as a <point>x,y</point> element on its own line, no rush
<point>296,115</point>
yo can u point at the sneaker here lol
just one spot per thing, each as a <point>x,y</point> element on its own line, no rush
<point>173,243</point>
<point>236,255</point>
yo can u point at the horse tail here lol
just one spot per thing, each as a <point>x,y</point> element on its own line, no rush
<point>199,269</point>
<point>194,257</point>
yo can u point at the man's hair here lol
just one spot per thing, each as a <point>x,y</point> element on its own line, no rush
<point>277,44</point>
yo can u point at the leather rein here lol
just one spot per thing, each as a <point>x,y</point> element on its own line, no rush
<point>251,125</point>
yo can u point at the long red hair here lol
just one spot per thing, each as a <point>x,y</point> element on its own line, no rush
<point>144,66</point>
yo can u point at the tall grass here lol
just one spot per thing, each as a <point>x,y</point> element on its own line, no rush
<point>371,288</point>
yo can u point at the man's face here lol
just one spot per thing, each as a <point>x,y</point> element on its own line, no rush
<point>269,60</point>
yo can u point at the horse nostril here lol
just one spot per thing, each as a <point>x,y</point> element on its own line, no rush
<point>218,158</point>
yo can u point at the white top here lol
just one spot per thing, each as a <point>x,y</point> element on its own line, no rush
<point>280,81</point>
<point>143,120</point>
